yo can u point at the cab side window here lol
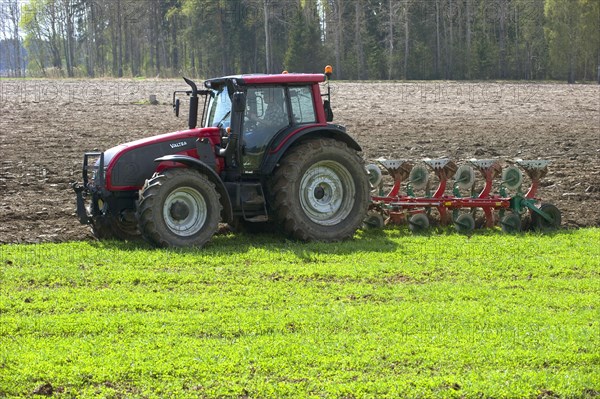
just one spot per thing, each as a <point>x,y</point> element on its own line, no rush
<point>303,110</point>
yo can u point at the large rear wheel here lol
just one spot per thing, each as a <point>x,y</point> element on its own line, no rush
<point>179,208</point>
<point>321,191</point>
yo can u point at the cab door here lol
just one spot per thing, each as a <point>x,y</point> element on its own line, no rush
<point>266,114</point>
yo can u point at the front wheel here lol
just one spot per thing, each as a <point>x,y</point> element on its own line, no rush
<point>321,191</point>
<point>107,227</point>
<point>111,224</point>
<point>179,208</point>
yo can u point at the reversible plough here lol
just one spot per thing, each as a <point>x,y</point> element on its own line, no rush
<point>415,200</point>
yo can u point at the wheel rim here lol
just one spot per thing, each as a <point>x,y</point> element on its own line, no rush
<point>185,211</point>
<point>327,193</point>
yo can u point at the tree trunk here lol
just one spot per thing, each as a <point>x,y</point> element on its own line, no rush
<point>406,40</point>
<point>360,53</point>
<point>390,38</point>
<point>153,24</point>
<point>338,36</point>
<point>437,38</point>
<point>89,48</point>
<point>175,55</point>
<point>223,41</point>
<point>571,77</point>
<point>119,41</point>
<point>55,42</point>
<point>517,45</point>
<point>469,22</point>
<point>268,56</point>
<point>502,10</point>
<point>69,11</point>
<point>15,16</point>
<point>572,50</point>
<point>451,39</point>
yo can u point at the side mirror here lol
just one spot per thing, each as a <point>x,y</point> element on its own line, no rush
<point>239,101</point>
<point>176,107</point>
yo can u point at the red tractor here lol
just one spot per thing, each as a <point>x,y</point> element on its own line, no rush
<point>266,152</point>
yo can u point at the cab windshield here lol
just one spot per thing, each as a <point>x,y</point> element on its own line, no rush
<point>219,109</point>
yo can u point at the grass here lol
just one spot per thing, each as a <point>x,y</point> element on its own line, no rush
<point>387,315</point>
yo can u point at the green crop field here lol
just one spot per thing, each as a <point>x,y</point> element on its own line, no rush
<point>386,315</point>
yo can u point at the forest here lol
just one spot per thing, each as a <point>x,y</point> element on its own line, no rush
<point>361,39</point>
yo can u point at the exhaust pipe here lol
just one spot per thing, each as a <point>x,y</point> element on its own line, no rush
<point>193,118</point>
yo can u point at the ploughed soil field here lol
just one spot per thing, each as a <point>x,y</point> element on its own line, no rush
<point>46,126</point>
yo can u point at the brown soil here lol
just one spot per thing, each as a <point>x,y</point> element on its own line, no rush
<point>45,126</point>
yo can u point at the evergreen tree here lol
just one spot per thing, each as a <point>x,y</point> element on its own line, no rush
<point>303,52</point>
<point>563,31</point>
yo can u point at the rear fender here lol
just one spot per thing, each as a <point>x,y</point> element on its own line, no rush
<point>287,139</point>
<point>178,161</point>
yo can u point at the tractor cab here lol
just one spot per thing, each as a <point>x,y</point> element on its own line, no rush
<point>273,108</point>
<point>264,115</point>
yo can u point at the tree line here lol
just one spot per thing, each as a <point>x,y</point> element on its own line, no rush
<point>362,39</point>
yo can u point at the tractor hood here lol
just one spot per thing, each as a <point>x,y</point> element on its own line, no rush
<point>129,165</point>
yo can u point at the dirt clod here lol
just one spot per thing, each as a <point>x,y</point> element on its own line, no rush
<point>44,390</point>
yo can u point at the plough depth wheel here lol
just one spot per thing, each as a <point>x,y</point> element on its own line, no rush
<point>464,177</point>
<point>375,175</point>
<point>538,222</point>
<point>418,223</point>
<point>374,220</point>
<point>464,223</point>
<point>512,177</point>
<point>419,175</point>
<point>511,223</point>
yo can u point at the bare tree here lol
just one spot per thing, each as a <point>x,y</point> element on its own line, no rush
<point>406,17</point>
<point>392,10</point>
<point>502,10</point>
<point>336,23</point>
<point>358,28</point>
<point>10,16</point>
<point>267,19</point>
<point>67,12</point>
<point>468,33</point>
<point>437,38</point>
